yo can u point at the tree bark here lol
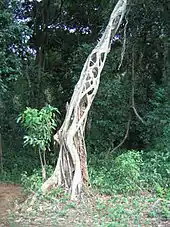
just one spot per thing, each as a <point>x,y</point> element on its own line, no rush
<point>71,169</point>
<point>1,154</point>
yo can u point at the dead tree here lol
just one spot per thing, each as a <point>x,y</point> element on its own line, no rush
<point>71,169</point>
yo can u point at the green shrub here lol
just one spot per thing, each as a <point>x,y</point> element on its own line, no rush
<point>156,169</point>
<point>16,163</point>
<point>102,179</point>
<point>119,175</point>
<point>127,171</point>
<point>32,183</point>
<point>39,126</point>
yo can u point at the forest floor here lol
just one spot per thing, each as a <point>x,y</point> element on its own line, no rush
<point>144,210</point>
<point>8,194</point>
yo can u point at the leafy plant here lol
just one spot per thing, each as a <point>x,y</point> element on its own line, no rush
<point>33,182</point>
<point>123,174</point>
<point>127,171</point>
<point>39,126</point>
<point>156,168</point>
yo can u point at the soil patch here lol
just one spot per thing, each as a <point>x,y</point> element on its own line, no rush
<point>8,194</point>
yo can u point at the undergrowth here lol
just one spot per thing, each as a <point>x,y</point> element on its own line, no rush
<point>130,190</point>
<point>141,209</point>
<point>130,172</point>
<point>16,163</point>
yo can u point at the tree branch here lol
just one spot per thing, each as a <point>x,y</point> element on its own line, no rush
<point>126,135</point>
<point>133,90</point>
<point>58,15</point>
<point>124,43</point>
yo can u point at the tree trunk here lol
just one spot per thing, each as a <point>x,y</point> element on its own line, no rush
<point>1,154</point>
<point>71,170</point>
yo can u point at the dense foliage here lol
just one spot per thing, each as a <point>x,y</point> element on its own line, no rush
<point>43,47</point>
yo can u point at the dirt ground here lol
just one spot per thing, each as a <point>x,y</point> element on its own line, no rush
<point>8,194</point>
<point>93,211</point>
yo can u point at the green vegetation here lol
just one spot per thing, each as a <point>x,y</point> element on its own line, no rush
<point>40,63</point>
<point>121,175</point>
<point>39,126</point>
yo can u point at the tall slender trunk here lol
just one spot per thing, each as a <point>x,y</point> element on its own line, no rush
<point>71,170</point>
<point>1,154</point>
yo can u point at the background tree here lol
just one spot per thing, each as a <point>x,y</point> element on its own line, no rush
<point>13,46</point>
